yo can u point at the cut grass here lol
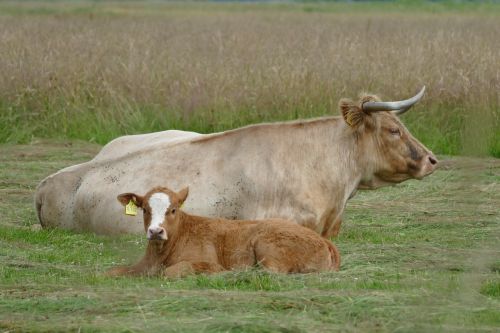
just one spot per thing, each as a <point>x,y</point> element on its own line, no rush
<point>417,257</point>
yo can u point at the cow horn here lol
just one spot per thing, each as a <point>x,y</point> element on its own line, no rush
<point>397,108</point>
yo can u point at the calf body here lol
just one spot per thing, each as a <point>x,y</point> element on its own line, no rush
<point>181,244</point>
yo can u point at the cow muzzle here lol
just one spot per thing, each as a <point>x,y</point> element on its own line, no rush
<point>156,233</point>
<point>429,166</point>
<point>432,163</point>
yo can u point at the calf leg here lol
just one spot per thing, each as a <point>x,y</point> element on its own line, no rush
<point>296,253</point>
<point>148,265</point>
<point>269,256</point>
<point>118,271</point>
<point>274,266</point>
<point>134,270</point>
<point>185,268</point>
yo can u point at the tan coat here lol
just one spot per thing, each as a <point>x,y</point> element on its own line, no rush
<point>193,244</point>
<point>303,171</point>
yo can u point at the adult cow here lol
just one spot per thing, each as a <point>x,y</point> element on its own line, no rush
<point>302,170</point>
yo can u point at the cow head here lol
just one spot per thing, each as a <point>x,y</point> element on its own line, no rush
<point>160,207</point>
<point>388,153</point>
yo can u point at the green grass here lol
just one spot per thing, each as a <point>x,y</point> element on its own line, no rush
<point>50,7</point>
<point>418,257</point>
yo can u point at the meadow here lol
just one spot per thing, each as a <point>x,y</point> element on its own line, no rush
<point>422,256</point>
<point>419,257</point>
<point>97,70</point>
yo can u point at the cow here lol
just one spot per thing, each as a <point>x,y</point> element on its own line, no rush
<point>180,244</point>
<point>302,170</point>
<point>129,144</point>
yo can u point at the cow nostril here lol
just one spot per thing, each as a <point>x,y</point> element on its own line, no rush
<point>432,160</point>
<point>160,231</point>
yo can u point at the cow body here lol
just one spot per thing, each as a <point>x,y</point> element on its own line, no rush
<point>130,144</point>
<point>300,170</point>
<point>181,244</point>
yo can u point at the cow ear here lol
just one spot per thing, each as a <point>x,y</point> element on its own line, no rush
<point>352,113</point>
<point>183,194</point>
<point>125,198</point>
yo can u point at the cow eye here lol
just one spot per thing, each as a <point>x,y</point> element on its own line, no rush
<point>173,211</point>
<point>394,131</point>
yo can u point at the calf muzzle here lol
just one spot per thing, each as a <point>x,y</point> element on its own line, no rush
<point>156,233</point>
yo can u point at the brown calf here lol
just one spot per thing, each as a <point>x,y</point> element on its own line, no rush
<point>181,244</point>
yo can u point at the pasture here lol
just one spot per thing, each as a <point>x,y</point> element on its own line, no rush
<point>421,256</point>
<point>417,257</point>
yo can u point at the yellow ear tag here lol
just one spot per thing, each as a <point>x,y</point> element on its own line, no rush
<point>131,208</point>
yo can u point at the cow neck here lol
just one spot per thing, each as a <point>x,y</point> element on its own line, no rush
<point>340,173</point>
<point>367,155</point>
<point>338,154</point>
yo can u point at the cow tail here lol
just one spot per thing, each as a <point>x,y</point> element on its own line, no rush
<point>335,255</point>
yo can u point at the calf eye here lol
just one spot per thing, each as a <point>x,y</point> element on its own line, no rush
<point>173,211</point>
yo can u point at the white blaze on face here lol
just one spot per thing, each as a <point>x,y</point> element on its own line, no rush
<point>159,203</point>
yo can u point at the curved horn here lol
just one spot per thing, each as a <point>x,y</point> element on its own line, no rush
<point>397,108</point>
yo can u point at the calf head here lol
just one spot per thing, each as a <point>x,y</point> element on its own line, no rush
<point>387,152</point>
<point>160,208</point>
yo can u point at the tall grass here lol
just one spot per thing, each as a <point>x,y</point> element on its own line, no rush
<point>101,70</point>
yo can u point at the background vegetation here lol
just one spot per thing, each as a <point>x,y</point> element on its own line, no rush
<point>97,70</point>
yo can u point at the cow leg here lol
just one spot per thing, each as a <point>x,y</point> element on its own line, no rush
<point>334,229</point>
<point>185,268</point>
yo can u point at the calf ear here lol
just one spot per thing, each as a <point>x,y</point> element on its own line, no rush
<point>125,198</point>
<point>183,194</point>
<point>352,113</point>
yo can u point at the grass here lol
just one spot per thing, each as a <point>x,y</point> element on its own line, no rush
<point>96,70</point>
<point>418,257</point>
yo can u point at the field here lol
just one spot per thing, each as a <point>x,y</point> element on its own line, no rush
<point>422,256</point>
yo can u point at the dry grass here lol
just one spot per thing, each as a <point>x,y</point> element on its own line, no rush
<point>105,70</point>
